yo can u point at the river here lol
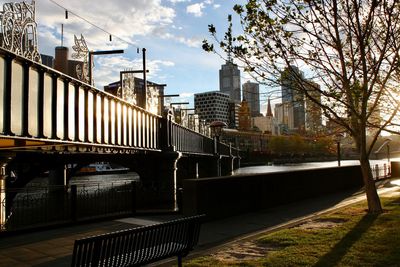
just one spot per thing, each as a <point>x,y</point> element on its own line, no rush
<point>92,181</point>
<point>302,166</point>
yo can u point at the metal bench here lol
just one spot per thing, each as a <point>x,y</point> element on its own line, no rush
<point>139,246</point>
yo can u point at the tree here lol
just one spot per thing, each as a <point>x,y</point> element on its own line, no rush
<point>349,47</point>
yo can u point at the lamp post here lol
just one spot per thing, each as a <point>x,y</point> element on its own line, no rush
<point>94,53</point>
<point>387,141</point>
<point>216,131</point>
<point>338,138</point>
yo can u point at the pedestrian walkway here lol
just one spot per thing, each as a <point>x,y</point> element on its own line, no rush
<point>54,247</point>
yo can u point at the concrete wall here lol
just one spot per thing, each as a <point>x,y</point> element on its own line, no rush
<point>395,168</point>
<point>227,196</point>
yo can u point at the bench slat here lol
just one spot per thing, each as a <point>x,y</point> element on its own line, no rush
<point>138,246</point>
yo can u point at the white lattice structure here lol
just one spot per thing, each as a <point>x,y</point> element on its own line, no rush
<point>18,29</point>
<point>81,52</point>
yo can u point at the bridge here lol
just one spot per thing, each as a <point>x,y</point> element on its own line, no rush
<point>49,121</point>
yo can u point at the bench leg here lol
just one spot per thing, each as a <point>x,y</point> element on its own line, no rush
<point>179,261</point>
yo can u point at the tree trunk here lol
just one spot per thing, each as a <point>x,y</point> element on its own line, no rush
<point>374,203</point>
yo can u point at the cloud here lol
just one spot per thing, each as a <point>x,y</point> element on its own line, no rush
<point>178,1</point>
<point>188,41</point>
<point>196,9</point>
<point>107,68</point>
<point>126,19</point>
<point>216,6</point>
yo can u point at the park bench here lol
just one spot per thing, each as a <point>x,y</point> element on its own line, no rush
<point>139,246</point>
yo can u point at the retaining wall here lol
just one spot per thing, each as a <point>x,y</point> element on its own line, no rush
<point>226,196</point>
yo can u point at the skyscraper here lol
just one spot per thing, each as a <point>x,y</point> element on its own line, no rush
<point>291,82</point>
<point>313,110</point>
<point>251,93</point>
<point>229,81</point>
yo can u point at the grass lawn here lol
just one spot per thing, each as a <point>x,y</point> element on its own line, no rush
<point>348,237</point>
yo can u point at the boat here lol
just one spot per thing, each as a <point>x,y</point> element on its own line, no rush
<point>101,168</point>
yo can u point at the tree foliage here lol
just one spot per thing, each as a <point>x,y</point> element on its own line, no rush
<point>349,47</point>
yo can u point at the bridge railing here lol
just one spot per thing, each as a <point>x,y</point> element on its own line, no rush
<point>187,140</point>
<point>40,103</point>
<point>381,171</point>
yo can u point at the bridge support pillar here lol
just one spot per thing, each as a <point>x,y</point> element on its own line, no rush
<point>159,172</point>
<point>227,166</point>
<point>4,173</point>
<point>209,167</point>
<point>188,168</point>
<point>58,176</point>
<point>236,162</point>
<point>57,181</point>
<point>168,172</point>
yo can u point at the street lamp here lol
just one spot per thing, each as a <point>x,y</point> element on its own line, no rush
<point>216,131</point>
<point>387,141</point>
<point>338,138</point>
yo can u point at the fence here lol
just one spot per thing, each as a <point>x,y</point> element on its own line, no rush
<point>381,171</point>
<point>39,206</point>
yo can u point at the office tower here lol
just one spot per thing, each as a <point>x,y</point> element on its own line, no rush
<point>313,110</point>
<point>251,92</point>
<point>292,80</point>
<point>229,81</point>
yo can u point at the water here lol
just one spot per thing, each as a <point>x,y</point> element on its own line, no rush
<point>109,179</point>
<point>302,166</point>
<point>91,181</point>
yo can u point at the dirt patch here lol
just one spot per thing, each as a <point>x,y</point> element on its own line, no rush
<point>253,250</point>
<point>321,223</point>
<point>238,252</point>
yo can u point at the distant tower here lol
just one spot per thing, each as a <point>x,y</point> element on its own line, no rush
<point>251,92</point>
<point>229,80</point>
<point>229,74</point>
<point>292,95</point>
<point>269,109</point>
<point>313,109</point>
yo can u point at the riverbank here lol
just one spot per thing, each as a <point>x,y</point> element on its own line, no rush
<point>346,237</point>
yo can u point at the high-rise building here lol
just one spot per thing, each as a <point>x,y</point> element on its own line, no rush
<point>233,115</point>
<point>229,81</point>
<point>251,92</point>
<point>292,80</point>
<point>212,106</point>
<point>313,110</point>
<point>244,116</point>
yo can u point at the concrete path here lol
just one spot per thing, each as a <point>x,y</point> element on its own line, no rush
<point>54,247</point>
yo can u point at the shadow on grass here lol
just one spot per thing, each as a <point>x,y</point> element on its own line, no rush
<point>333,257</point>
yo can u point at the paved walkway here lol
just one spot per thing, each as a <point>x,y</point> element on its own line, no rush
<point>54,247</point>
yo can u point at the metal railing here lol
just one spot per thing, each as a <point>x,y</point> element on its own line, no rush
<point>186,140</point>
<point>39,206</point>
<point>381,171</point>
<point>37,102</point>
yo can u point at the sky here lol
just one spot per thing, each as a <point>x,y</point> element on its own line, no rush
<point>172,32</point>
